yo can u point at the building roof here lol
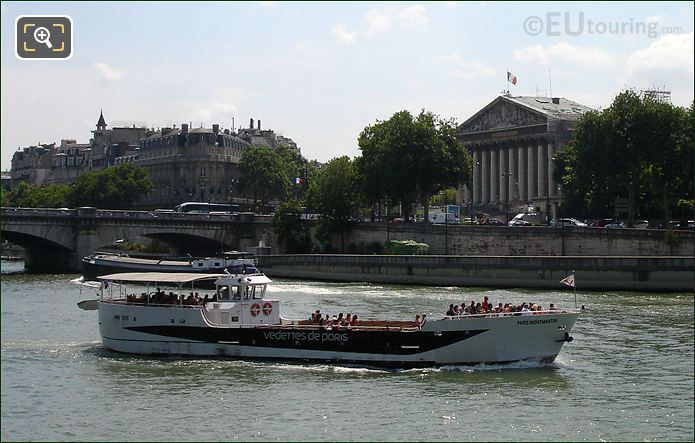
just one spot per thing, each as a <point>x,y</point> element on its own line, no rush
<point>555,106</point>
<point>201,130</point>
<point>101,121</point>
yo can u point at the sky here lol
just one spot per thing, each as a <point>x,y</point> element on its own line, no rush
<point>320,72</point>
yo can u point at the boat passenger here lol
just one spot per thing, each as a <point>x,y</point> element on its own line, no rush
<point>348,320</point>
<point>423,320</point>
<point>486,304</point>
<point>552,307</point>
<point>354,320</point>
<point>451,312</point>
<point>418,322</point>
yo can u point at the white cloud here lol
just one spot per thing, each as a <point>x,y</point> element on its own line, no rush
<point>413,17</point>
<point>343,35</point>
<point>268,4</point>
<point>379,20</point>
<point>577,55</point>
<point>669,52</point>
<point>466,69</point>
<point>383,19</point>
<point>107,72</point>
<point>656,18</point>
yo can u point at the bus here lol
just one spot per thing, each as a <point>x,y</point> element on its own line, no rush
<point>206,208</point>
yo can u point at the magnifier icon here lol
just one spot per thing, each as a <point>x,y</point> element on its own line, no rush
<point>42,35</point>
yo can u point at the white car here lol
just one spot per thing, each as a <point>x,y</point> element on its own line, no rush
<point>570,222</point>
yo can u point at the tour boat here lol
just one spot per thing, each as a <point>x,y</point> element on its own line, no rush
<point>232,262</point>
<point>238,321</point>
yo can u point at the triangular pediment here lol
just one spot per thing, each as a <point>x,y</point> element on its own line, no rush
<point>502,113</point>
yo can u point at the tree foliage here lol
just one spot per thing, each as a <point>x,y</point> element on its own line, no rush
<point>638,148</point>
<point>335,194</point>
<point>408,159</point>
<point>34,196</point>
<point>117,187</point>
<point>289,228</point>
<point>266,174</point>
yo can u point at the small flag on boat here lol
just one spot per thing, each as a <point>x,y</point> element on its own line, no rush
<point>298,181</point>
<point>569,280</point>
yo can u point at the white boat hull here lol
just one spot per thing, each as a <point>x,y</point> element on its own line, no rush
<point>187,331</point>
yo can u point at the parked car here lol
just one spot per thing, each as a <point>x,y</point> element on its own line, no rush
<point>615,224</point>
<point>641,224</point>
<point>494,221</point>
<point>520,222</point>
<point>570,222</point>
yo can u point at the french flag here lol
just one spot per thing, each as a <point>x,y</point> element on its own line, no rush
<point>511,78</point>
<point>298,181</point>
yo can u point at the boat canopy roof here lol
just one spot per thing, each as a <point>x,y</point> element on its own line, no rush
<point>160,277</point>
<point>243,279</point>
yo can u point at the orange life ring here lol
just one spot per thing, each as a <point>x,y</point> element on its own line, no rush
<point>255,309</point>
<point>267,308</point>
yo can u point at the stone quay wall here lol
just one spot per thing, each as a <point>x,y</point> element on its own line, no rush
<point>651,274</point>
<point>521,241</point>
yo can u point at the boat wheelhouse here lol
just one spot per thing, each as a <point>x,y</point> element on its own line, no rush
<point>238,320</point>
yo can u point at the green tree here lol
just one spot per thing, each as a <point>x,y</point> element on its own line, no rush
<point>334,193</point>
<point>409,159</point>
<point>291,231</point>
<point>117,187</point>
<point>34,196</point>
<point>638,147</point>
<point>266,174</point>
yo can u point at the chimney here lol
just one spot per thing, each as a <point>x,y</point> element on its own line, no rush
<point>556,100</point>
<point>259,124</point>
<point>216,128</point>
<point>251,124</point>
<point>184,127</point>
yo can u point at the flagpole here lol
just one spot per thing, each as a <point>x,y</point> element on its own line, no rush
<point>575,290</point>
<point>507,81</point>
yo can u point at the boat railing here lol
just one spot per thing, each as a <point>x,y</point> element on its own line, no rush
<point>506,314</point>
<point>393,325</point>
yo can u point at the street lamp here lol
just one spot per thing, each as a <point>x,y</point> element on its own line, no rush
<point>473,165</point>
<point>232,186</point>
<point>506,203</point>
<point>203,183</point>
<point>446,222</point>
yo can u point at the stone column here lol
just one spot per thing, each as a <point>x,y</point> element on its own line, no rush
<point>513,170</point>
<point>531,170</point>
<point>477,182</point>
<point>494,174</point>
<point>485,174</point>
<point>504,171</point>
<point>542,169</point>
<point>521,156</point>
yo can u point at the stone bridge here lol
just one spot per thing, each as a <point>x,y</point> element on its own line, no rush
<point>57,239</point>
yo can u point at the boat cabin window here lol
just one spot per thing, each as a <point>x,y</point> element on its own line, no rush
<point>223,293</point>
<point>243,292</point>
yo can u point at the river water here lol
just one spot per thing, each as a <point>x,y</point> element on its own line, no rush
<point>628,375</point>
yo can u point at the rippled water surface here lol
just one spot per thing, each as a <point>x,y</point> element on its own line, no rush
<point>628,375</point>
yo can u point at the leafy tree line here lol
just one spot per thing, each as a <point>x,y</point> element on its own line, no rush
<point>118,187</point>
<point>405,160</point>
<point>639,148</point>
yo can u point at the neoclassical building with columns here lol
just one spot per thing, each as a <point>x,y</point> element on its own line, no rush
<point>513,141</point>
